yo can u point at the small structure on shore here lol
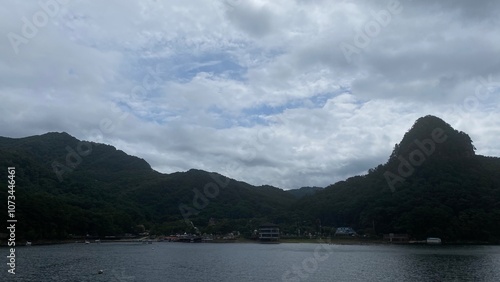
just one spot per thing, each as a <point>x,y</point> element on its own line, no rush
<point>434,241</point>
<point>397,238</point>
<point>269,232</point>
<point>345,231</point>
<point>189,238</point>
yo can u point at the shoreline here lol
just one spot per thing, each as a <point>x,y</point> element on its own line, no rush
<point>333,241</point>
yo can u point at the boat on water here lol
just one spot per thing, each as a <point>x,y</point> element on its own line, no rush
<point>433,241</point>
<point>28,243</point>
<point>87,242</point>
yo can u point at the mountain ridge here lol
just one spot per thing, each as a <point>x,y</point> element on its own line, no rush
<point>109,191</point>
<point>432,188</point>
<point>443,189</point>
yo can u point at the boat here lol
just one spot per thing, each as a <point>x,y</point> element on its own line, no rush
<point>433,241</point>
<point>87,242</point>
<point>28,243</point>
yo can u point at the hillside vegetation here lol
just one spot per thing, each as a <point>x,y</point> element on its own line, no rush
<point>433,184</point>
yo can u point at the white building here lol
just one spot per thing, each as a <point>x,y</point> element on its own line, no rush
<point>269,232</point>
<point>345,231</point>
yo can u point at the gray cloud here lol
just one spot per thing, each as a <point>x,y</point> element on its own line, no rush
<point>290,110</point>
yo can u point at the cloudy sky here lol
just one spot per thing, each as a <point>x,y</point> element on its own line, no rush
<point>286,92</point>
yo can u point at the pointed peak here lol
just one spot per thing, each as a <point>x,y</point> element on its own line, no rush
<point>430,121</point>
<point>435,134</point>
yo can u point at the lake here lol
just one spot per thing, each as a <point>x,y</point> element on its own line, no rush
<point>164,261</point>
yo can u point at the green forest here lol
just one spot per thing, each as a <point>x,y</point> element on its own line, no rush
<point>433,184</point>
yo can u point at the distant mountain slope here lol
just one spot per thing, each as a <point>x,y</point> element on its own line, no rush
<point>432,185</point>
<point>67,186</point>
<point>304,191</point>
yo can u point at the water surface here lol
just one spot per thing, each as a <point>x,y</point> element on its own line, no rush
<point>254,262</point>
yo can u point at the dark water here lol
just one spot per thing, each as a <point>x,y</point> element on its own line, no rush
<point>253,262</point>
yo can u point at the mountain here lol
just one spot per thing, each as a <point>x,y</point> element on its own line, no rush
<point>304,191</point>
<point>432,185</point>
<point>66,186</point>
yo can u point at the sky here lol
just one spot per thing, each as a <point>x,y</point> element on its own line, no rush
<point>289,93</point>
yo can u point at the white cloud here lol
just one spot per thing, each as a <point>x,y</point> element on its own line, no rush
<point>257,90</point>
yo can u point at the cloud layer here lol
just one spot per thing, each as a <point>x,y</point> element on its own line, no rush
<point>288,93</point>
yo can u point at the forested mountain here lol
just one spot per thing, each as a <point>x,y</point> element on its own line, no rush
<point>66,186</point>
<point>304,191</point>
<point>433,184</point>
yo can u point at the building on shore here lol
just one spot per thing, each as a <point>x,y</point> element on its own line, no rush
<point>269,232</point>
<point>397,238</point>
<point>433,241</point>
<point>345,231</point>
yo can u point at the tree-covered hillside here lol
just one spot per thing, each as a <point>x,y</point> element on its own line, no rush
<point>66,186</point>
<point>433,184</point>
